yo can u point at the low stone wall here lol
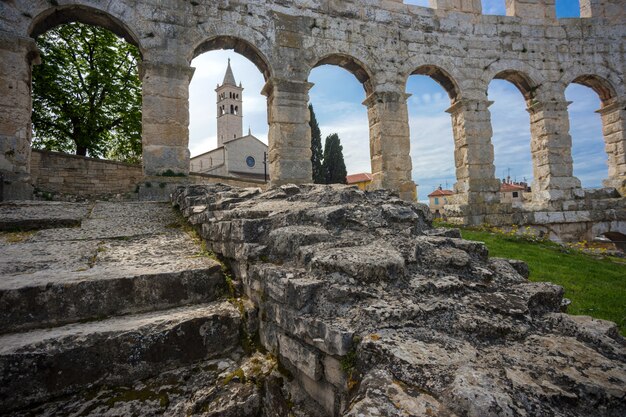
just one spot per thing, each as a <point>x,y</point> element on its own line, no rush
<point>198,178</point>
<point>56,172</point>
<point>81,176</point>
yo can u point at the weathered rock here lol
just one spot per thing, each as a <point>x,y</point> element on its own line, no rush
<point>41,364</point>
<point>375,313</point>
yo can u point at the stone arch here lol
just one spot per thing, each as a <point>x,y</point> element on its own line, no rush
<point>528,80</point>
<point>350,64</point>
<point>600,85</point>
<point>524,83</point>
<point>442,77</point>
<point>605,82</point>
<point>240,46</point>
<point>59,15</point>
<point>613,117</point>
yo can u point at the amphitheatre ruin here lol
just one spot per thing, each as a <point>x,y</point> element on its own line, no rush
<point>300,299</point>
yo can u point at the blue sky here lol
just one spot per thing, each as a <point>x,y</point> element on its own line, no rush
<point>337,98</point>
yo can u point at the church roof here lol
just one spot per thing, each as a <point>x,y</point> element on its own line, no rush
<point>229,78</point>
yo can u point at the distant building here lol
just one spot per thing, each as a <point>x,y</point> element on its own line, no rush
<point>514,193</point>
<point>438,199</point>
<point>236,155</point>
<point>361,180</point>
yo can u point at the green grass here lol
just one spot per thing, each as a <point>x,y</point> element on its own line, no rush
<point>596,286</point>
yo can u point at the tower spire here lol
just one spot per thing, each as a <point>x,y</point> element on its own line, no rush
<point>229,78</point>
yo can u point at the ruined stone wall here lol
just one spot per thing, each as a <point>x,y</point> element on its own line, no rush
<point>77,175</point>
<point>372,312</point>
<point>381,42</point>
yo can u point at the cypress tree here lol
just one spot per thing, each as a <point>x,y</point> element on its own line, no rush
<point>334,166</point>
<point>316,148</point>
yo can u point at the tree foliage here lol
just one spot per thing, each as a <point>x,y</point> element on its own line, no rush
<point>87,94</point>
<point>333,165</point>
<point>316,148</point>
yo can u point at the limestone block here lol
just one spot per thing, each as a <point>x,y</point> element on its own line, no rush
<point>333,372</point>
<point>165,134</point>
<point>157,159</point>
<point>549,217</point>
<point>304,358</point>
<point>158,109</point>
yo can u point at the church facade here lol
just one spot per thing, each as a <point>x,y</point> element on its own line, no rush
<point>236,155</point>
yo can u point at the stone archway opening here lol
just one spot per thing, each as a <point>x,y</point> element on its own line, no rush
<point>432,90</point>
<point>589,132</point>
<point>228,112</point>
<point>87,93</point>
<point>86,99</point>
<point>511,136</point>
<point>340,84</point>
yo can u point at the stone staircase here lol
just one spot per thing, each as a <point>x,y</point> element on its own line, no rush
<point>126,295</point>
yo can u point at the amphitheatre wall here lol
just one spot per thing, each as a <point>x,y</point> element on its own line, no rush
<point>382,42</point>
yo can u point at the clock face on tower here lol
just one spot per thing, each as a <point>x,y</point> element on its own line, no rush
<point>250,161</point>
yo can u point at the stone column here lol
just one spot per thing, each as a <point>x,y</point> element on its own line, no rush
<point>165,117</point>
<point>551,149</point>
<point>289,131</point>
<point>612,10</point>
<point>477,189</point>
<point>390,144</point>
<point>613,113</point>
<point>531,9</point>
<point>467,6</point>
<point>16,58</point>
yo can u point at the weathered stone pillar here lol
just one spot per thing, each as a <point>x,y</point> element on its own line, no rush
<point>16,58</point>
<point>477,188</point>
<point>531,9</point>
<point>613,113</point>
<point>390,143</point>
<point>612,10</point>
<point>467,6</point>
<point>289,131</point>
<point>165,117</point>
<point>551,149</point>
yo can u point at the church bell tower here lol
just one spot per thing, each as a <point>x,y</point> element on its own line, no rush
<point>229,109</point>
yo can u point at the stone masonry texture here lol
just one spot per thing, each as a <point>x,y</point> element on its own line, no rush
<point>373,312</point>
<point>381,42</point>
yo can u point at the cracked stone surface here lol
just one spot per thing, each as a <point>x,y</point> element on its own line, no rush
<point>376,313</point>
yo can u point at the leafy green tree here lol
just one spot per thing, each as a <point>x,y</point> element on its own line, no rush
<point>316,148</point>
<point>87,94</point>
<point>334,166</point>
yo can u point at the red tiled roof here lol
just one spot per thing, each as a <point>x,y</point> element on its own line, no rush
<point>511,187</point>
<point>361,177</point>
<point>441,193</point>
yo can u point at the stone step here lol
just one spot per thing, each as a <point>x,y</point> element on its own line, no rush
<point>51,283</point>
<point>38,365</point>
<point>44,303</point>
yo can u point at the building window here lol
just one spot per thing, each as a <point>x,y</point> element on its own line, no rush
<point>250,161</point>
<point>436,200</point>
<point>515,194</point>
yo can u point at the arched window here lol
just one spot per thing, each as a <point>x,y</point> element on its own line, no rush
<point>236,109</point>
<point>232,109</point>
